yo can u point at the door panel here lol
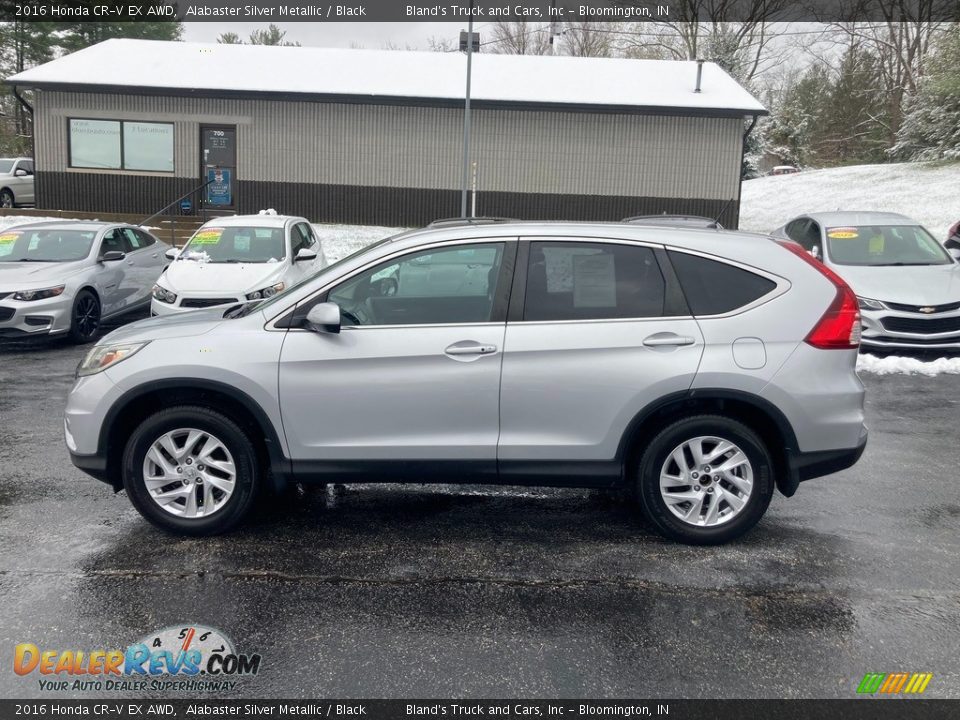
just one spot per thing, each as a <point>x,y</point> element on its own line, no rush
<point>599,337</point>
<point>117,283</point>
<point>383,393</point>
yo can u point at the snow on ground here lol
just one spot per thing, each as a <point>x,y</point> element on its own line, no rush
<point>895,365</point>
<point>926,192</point>
<point>338,241</point>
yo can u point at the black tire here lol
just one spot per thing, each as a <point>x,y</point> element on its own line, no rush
<point>659,450</point>
<point>234,439</point>
<point>6,199</point>
<point>84,317</point>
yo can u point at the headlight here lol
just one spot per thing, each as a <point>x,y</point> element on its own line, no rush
<point>163,295</point>
<point>868,304</point>
<point>103,356</point>
<point>266,292</point>
<point>28,295</point>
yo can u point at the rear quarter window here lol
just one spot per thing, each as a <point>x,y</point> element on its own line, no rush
<point>713,287</point>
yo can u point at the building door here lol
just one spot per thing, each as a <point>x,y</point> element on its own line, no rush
<point>218,164</point>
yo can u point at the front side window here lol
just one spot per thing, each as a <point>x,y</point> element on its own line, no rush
<point>235,244</point>
<point>879,245</point>
<point>451,285</point>
<point>47,245</point>
<point>121,145</point>
<point>301,238</point>
<point>592,281</point>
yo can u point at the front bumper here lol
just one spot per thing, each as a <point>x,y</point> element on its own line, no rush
<point>38,317</point>
<point>893,329</point>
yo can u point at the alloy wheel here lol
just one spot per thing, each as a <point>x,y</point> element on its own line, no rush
<point>706,481</point>
<point>86,316</point>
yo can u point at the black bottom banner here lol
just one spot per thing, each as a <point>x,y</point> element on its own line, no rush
<point>865,709</point>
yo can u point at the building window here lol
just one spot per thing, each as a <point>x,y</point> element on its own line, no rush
<point>121,145</point>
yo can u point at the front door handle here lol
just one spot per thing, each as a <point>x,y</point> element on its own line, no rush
<point>470,348</point>
<point>668,339</point>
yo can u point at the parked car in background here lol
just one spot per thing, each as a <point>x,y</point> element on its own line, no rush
<point>237,259</point>
<point>16,182</point>
<point>908,285</point>
<point>68,276</point>
<point>784,170</point>
<point>953,237</point>
<point>700,375</point>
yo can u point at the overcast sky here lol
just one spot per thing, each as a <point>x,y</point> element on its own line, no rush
<point>371,35</point>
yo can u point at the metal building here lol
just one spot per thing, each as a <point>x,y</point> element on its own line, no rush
<point>360,136</point>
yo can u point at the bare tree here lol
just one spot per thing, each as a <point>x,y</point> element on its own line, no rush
<point>518,38</point>
<point>590,39</point>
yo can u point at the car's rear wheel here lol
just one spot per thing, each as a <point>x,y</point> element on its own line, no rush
<point>705,480</point>
<point>6,198</point>
<point>84,317</point>
<point>190,470</point>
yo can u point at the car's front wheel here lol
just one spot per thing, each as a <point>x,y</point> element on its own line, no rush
<point>190,470</point>
<point>84,317</point>
<point>705,480</point>
<point>6,198</point>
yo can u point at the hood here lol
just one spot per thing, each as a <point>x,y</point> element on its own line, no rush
<point>188,277</point>
<point>909,285</point>
<point>165,327</point>
<point>31,275</point>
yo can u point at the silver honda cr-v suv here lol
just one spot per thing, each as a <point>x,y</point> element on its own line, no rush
<point>699,368</point>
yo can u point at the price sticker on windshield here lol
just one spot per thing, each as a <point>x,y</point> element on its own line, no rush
<point>207,236</point>
<point>9,237</point>
<point>843,233</point>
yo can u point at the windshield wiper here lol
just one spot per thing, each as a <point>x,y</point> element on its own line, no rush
<point>35,260</point>
<point>902,264</point>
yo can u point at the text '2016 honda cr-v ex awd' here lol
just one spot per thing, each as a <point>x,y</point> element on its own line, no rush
<point>700,368</point>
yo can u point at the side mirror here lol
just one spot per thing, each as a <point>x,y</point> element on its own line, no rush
<point>324,317</point>
<point>305,254</point>
<point>112,256</point>
<point>20,172</point>
<point>815,251</point>
<point>172,253</point>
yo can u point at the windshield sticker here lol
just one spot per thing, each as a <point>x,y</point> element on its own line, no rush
<point>9,237</point>
<point>207,236</point>
<point>842,233</point>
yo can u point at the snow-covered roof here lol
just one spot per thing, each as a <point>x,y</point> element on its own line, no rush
<point>368,75</point>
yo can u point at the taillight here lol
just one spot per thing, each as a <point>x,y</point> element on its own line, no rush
<point>839,328</point>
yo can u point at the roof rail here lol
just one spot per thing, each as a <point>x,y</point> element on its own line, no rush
<point>684,220</point>
<point>454,222</point>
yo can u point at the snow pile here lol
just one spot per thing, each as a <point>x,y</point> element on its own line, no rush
<point>926,192</point>
<point>269,211</point>
<point>338,241</point>
<point>7,221</point>
<point>895,365</point>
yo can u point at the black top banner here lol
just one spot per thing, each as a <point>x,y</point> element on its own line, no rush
<point>532,11</point>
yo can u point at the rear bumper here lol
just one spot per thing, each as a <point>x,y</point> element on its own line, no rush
<point>810,465</point>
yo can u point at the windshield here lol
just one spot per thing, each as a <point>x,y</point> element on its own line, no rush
<point>235,245</point>
<point>250,307</point>
<point>47,245</point>
<point>6,166</point>
<point>885,245</point>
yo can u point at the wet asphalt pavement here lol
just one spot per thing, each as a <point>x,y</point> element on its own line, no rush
<point>410,591</point>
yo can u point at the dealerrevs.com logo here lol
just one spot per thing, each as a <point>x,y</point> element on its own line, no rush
<point>188,658</point>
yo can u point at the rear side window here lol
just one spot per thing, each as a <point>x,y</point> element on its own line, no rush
<point>592,281</point>
<point>714,288</point>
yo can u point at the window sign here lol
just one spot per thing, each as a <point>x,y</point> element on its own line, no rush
<point>219,191</point>
<point>148,146</point>
<point>121,145</point>
<point>95,144</point>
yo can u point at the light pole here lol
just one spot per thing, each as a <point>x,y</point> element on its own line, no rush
<point>465,176</point>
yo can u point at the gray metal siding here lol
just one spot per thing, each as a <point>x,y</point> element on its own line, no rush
<point>556,153</point>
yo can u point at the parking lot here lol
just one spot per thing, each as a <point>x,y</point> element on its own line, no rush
<point>410,591</point>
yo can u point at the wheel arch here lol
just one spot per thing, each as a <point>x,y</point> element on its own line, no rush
<point>758,414</point>
<point>137,404</point>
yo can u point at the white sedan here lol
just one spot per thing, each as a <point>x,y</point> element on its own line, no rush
<point>237,259</point>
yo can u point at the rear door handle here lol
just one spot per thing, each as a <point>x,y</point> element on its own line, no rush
<point>668,339</point>
<point>470,348</point>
